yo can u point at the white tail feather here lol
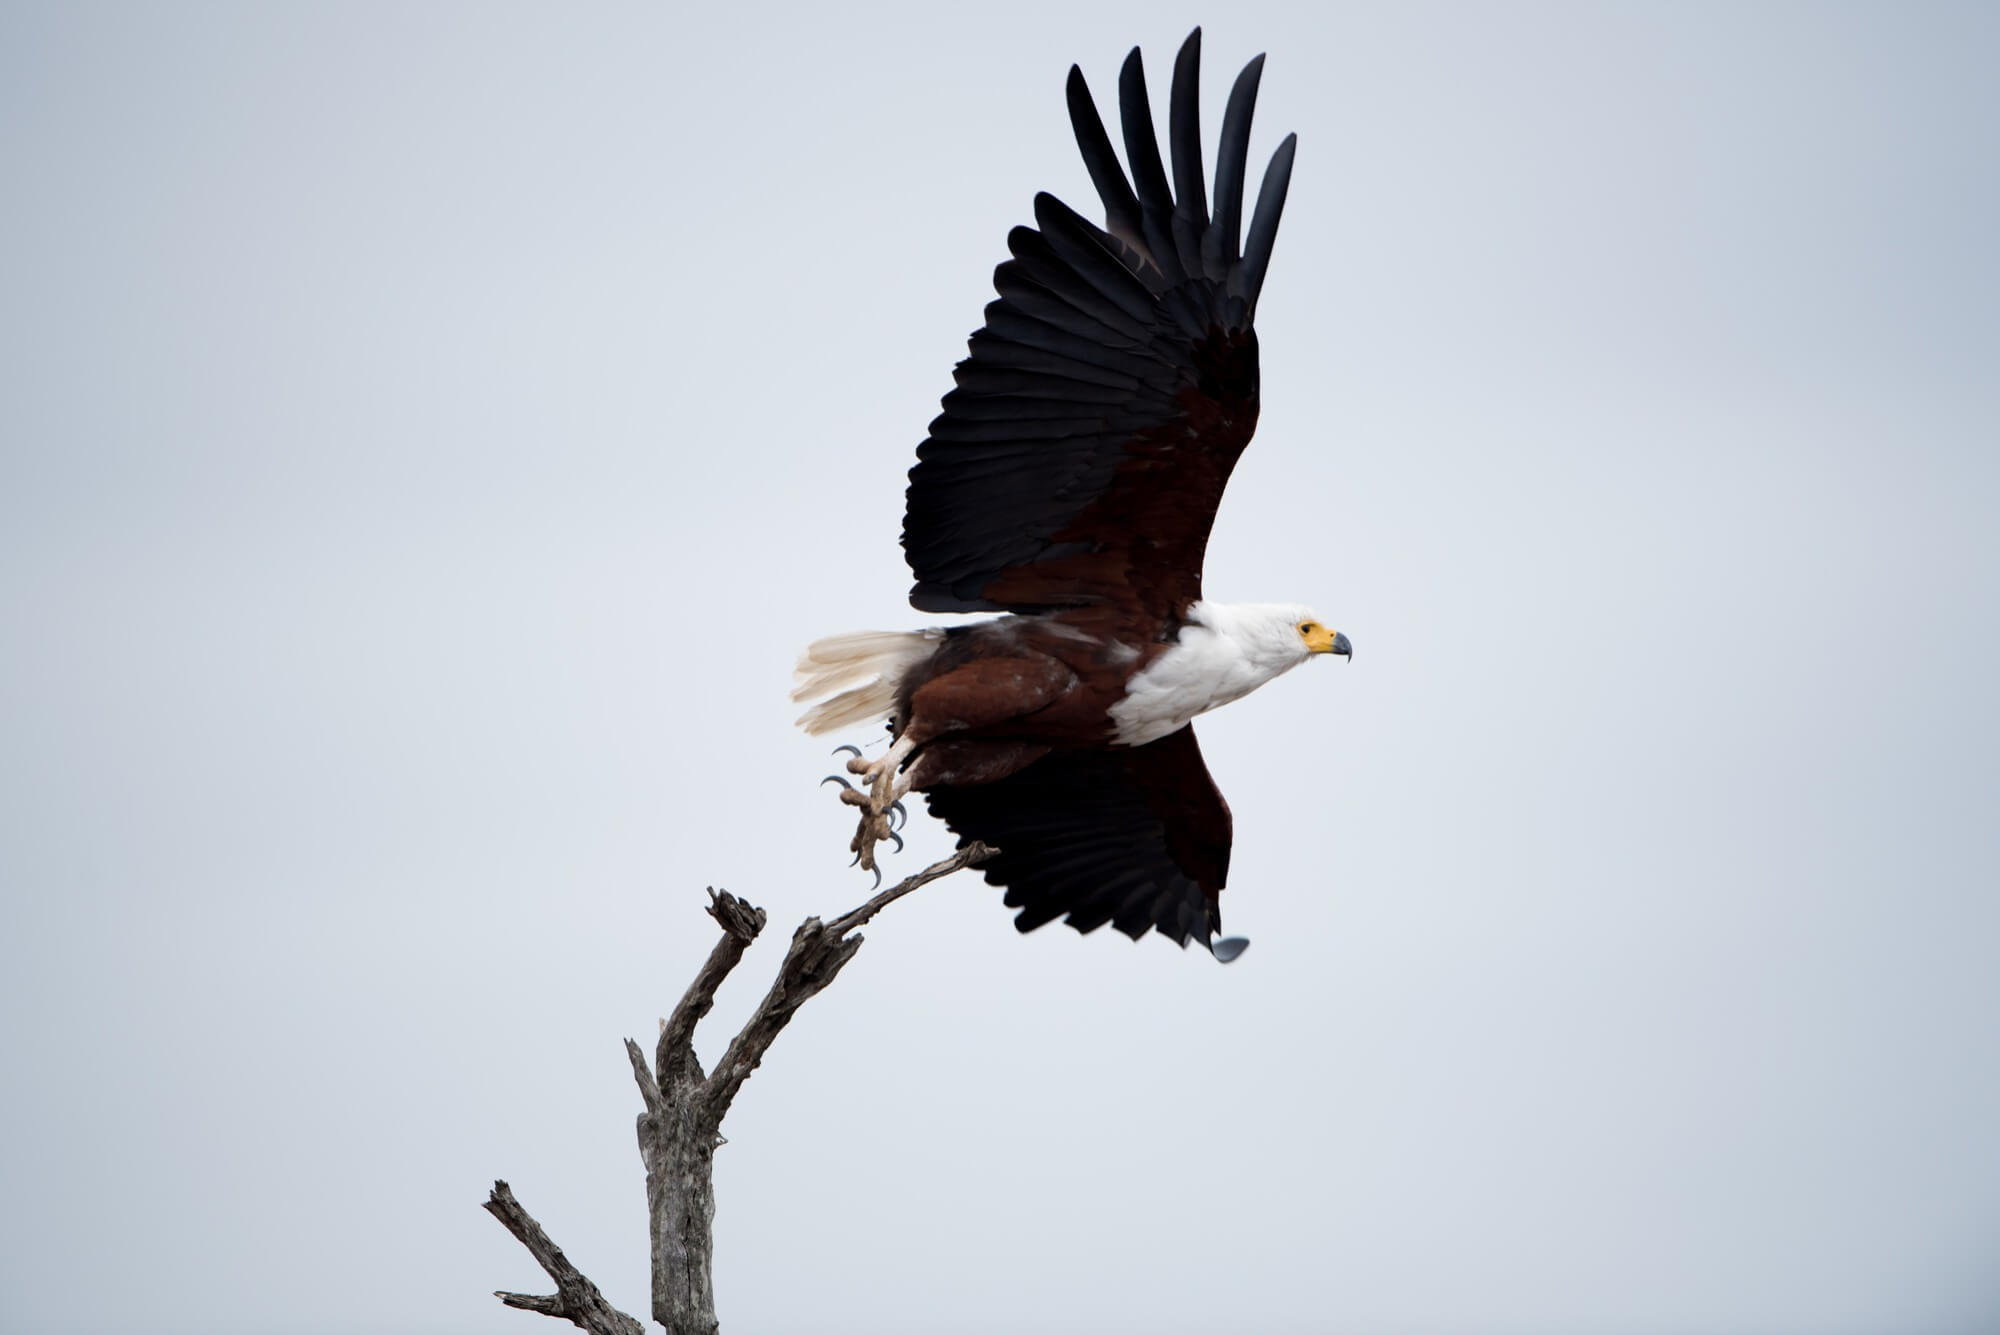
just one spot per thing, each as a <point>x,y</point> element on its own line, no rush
<point>877,659</point>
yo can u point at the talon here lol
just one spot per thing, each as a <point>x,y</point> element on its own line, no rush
<point>896,839</point>
<point>878,881</point>
<point>857,859</point>
<point>835,778</point>
<point>848,747</point>
<point>902,813</point>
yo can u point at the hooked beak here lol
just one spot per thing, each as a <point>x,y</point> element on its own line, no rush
<point>1342,647</point>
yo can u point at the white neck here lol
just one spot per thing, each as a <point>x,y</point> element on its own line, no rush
<point>1224,652</point>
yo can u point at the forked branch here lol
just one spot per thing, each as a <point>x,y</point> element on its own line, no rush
<point>818,953</point>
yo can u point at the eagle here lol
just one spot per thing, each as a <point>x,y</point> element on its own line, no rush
<point>1070,484</point>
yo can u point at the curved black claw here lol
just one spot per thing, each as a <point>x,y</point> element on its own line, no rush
<point>848,747</point>
<point>857,860</point>
<point>835,778</point>
<point>899,817</point>
<point>878,881</point>
<point>897,839</point>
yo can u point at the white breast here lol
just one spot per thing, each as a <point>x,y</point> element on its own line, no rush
<point>1213,662</point>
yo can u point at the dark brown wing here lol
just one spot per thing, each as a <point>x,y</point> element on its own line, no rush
<point>1096,421</point>
<point>1134,836</point>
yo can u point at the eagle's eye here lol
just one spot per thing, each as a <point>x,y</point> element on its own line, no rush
<point>1308,627</point>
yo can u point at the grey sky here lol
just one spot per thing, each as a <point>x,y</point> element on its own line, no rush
<point>428,434</point>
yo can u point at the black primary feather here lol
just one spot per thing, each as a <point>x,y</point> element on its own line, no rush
<point>1232,157</point>
<point>1184,137</point>
<point>1149,177</point>
<point>1121,206</point>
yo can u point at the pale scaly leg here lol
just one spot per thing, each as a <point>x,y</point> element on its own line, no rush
<point>880,798</point>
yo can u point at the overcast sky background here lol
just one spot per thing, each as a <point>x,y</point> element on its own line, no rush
<point>429,433</point>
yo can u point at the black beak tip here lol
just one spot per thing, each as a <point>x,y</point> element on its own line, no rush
<point>1343,648</point>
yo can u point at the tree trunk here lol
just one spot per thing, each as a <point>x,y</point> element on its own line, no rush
<point>680,1203</point>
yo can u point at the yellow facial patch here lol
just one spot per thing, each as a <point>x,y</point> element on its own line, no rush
<point>1318,638</point>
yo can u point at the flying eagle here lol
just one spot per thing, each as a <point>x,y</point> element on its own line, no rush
<point>1070,484</point>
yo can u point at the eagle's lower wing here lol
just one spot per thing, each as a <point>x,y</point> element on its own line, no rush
<point>1137,837</point>
<point>1082,456</point>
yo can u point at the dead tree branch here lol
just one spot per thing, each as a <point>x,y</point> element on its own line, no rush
<point>576,1300</point>
<point>681,1125</point>
<point>818,953</point>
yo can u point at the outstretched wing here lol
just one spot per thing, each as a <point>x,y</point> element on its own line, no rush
<point>1137,837</point>
<point>1104,403</point>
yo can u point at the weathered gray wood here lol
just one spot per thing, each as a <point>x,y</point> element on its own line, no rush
<point>681,1125</point>
<point>576,1300</point>
<point>740,923</point>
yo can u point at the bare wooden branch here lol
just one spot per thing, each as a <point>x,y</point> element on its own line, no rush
<point>971,855</point>
<point>576,1300</point>
<point>740,924</point>
<point>818,953</point>
<point>649,1088</point>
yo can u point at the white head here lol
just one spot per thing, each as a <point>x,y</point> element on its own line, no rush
<point>1274,636</point>
<point>1226,651</point>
